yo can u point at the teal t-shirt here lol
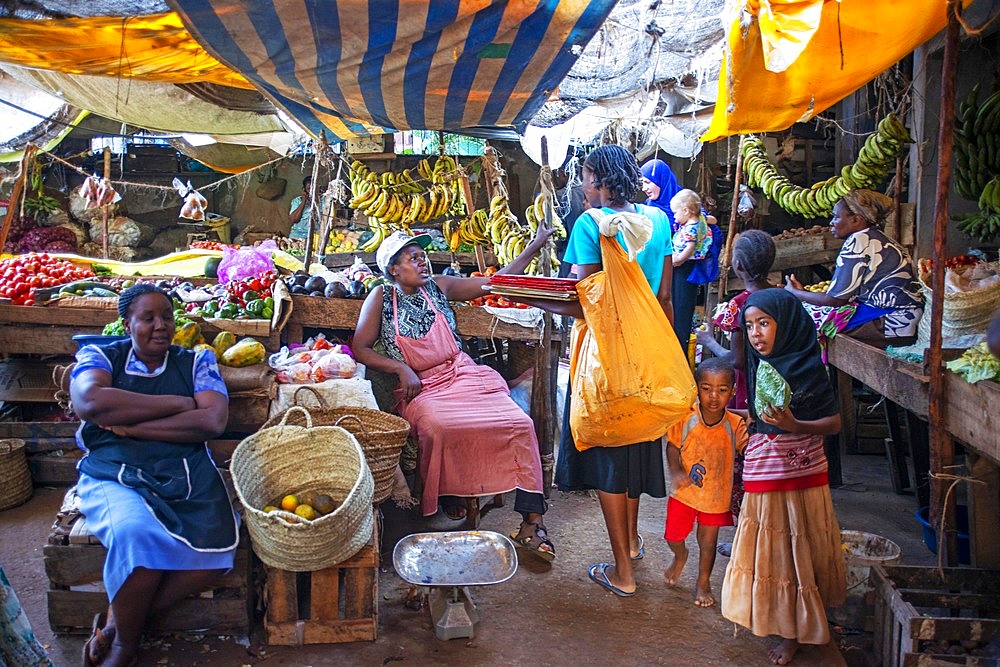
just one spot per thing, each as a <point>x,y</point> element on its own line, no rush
<point>585,246</point>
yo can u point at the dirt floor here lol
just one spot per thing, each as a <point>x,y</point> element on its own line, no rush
<point>544,615</point>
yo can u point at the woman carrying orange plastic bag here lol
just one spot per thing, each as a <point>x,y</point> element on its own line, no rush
<point>626,359</point>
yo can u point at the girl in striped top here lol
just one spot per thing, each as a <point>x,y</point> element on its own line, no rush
<point>786,566</point>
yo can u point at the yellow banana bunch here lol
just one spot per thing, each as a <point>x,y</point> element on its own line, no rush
<point>535,213</point>
<point>379,233</point>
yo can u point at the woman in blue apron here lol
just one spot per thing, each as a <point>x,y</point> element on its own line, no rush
<point>148,487</point>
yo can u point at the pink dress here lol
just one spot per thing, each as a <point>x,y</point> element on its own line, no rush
<point>473,439</point>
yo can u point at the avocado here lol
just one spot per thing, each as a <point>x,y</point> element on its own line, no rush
<point>212,267</point>
<point>356,290</point>
<point>336,290</point>
<point>315,284</point>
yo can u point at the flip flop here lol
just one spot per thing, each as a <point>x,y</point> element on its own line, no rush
<point>725,549</point>
<point>598,574</point>
<point>454,512</point>
<point>641,552</point>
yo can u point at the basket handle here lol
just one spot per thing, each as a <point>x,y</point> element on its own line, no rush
<point>364,429</point>
<point>319,397</point>
<point>296,408</point>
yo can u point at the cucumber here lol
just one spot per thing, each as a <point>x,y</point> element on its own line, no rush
<point>102,291</point>
<point>80,285</point>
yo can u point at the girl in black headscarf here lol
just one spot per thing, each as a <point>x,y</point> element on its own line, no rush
<point>786,566</point>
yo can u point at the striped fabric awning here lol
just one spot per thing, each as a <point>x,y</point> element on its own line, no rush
<point>359,67</point>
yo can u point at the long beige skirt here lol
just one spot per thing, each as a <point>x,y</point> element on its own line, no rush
<point>786,566</point>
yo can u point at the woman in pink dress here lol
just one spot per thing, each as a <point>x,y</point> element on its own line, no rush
<point>473,439</point>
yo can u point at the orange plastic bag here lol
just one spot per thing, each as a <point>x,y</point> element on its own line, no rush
<point>630,379</point>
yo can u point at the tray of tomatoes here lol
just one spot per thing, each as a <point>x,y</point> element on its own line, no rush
<point>22,276</point>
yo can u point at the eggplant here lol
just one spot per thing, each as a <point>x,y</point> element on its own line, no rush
<point>335,290</point>
<point>315,284</point>
<point>356,290</point>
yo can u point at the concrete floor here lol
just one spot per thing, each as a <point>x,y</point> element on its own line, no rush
<point>544,615</point>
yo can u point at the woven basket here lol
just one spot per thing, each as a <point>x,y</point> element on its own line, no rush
<point>304,460</point>
<point>15,478</point>
<point>963,312</point>
<point>380,434</point>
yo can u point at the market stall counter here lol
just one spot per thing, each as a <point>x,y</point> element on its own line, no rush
<point>970,418</point>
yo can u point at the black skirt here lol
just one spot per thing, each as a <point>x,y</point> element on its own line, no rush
<point>633,469</point>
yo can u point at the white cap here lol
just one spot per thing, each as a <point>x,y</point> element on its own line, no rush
<point>395,242</point>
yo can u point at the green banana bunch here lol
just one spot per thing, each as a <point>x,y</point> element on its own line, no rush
<point>984,224</point>
<point>875,159</point>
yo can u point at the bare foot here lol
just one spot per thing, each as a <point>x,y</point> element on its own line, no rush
<point>783,653</point>
<point>703,596</point>
<point>673,573</point>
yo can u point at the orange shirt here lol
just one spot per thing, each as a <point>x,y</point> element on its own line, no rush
<point>714,448</point>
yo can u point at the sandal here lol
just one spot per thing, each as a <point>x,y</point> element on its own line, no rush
<point>97,640</point>
<point>537,541</point>
<point>454,512</point>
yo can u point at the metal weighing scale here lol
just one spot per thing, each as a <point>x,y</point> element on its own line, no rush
<point>448,564</point>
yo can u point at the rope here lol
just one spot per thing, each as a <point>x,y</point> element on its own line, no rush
<point>955,480</point>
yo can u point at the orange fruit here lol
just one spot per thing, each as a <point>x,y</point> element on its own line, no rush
<point>268,509</point>
<point>306,512</point>
<point>289,503</point>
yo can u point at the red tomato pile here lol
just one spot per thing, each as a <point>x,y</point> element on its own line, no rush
<point>497,302</point>
<point>211,245</point>
<point>22,275</point>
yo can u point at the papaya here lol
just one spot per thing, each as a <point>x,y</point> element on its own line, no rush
<point>187,335</point>
<point>203,346</point>
<point>223,341</point>
<point>247,352</point>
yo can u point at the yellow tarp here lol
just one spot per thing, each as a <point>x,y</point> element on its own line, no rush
<point>152,48</point>
<point>15,156</point>
<point>820,51</point>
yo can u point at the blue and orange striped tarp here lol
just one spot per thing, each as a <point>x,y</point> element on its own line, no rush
<point>358,67</point>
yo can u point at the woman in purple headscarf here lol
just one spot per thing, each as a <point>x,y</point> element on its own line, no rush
<point>660,185</point>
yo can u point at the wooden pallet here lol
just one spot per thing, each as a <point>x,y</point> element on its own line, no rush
<point>331,606</point>
<point>917,615</point>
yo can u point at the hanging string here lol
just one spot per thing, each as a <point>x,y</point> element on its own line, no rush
<point>955,480</point>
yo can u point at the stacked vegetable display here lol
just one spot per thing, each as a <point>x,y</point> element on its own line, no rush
<point>21,277</point>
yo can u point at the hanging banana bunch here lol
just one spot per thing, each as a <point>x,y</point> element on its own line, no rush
<point>394,201</point>
<point>875,159</point>
<point>977,164</point>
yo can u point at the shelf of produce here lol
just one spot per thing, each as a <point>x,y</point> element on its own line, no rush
<point>50,329</point>
<point>320,312</point>
<point>338,260</point>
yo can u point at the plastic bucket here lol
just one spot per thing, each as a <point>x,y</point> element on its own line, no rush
<point>930,533</point>
<point>861,552</point>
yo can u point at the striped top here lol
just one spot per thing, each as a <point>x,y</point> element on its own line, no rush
<point>784,462</point>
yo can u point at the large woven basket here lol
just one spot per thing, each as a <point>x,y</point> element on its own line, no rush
<point>963,312</point>
<point>304,460</point>
<point>381,435</point>
<point>15,478</point>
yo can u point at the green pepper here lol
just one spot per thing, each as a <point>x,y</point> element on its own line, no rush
<point>210,306</point>
<point>250,295</point>
<point>269,302</point>
<point>255,307</point>
<point>267,313</point>
<point>229,311</point>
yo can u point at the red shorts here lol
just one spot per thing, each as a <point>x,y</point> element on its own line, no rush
<point>681,518</point>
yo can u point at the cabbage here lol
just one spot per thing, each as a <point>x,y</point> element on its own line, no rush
<point>976,364</point>
<point>771,389</point>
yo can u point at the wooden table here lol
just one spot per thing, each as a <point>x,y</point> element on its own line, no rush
<point>971,416</point>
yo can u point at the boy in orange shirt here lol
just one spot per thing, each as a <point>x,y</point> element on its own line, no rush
<point>700,454</point>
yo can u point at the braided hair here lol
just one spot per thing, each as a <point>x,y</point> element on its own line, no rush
<point>616,169</point>
<point>755,251</point>
<point>126,298</point>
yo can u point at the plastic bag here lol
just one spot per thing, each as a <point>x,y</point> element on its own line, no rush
<point>333,365</point>
<point>772,389</point>
<point>630,378</point>
<point>746,206</point>
<point>245,262</point>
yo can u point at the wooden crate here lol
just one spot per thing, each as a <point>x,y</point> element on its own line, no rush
<point>76,593</point>
<point>330,606</point>
<point>920,619</point>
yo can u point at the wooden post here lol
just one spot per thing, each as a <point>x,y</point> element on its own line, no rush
<point>312,196</point>
<point>727,252</point>
<point>469,208</point>
<point>104,209</point>
<point>14,206</point>
<point>543,387</point>
<point>942,513</point>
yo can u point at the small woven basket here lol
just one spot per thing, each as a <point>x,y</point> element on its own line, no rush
<point>15,477</point>
<point>287,458</point>
<point>381,435</point>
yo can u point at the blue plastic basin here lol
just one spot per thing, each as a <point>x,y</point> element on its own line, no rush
<point>930,534</point>
<point>96,339</point>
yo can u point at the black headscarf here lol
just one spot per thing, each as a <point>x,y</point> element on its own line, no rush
<point>795,355</point>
